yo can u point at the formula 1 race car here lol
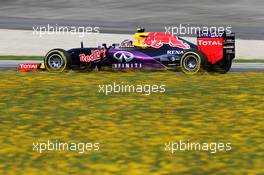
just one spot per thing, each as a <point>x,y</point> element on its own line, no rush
<point>214,53</point>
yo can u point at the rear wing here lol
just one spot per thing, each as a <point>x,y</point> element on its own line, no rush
<point>216,46</point>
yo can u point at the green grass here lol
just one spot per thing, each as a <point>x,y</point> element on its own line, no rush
<point>131,128</point>
<point>10,57</point>
<point>249,60</point>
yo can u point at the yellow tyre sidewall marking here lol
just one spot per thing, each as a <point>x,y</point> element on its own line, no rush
<point>61,54</point>
<point>199,65</point>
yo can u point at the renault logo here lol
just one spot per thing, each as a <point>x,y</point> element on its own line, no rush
<point>122,55</point>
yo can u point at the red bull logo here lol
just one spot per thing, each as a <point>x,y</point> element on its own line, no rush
<point>158,39</point>
<point>95,55</point>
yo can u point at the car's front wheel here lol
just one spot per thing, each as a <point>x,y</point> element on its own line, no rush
<point>57,60</point>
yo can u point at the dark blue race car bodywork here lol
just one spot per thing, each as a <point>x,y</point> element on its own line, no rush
<point>159,50</point>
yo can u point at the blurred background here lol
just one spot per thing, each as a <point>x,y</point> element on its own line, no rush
<point>116,16</point>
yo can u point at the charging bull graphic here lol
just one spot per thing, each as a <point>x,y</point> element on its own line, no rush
<point>158,39</point>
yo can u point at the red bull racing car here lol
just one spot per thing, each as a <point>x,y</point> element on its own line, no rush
<point>213,52</point>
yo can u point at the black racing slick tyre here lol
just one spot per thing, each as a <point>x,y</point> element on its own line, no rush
<point>192,62</point>
<point>223,66</point>
<point>57,60</point>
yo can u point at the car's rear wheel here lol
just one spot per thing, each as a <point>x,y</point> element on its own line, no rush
<point>192,62</point>
<point>57,60</point>
<point>223,66</point>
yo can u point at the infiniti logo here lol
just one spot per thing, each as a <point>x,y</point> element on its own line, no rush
<point>120,55</point>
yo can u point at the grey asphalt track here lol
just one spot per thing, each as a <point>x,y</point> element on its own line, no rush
<point>237,67</point>
<point>246,17</point>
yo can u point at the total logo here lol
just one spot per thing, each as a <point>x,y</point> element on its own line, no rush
<point>28,67</point>
<point>209,43</point>
<point>123,55</point>
<point>95,55</point>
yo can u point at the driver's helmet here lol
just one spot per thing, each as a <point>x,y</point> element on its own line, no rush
<point>139,37</point>
<point>140,30</point>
